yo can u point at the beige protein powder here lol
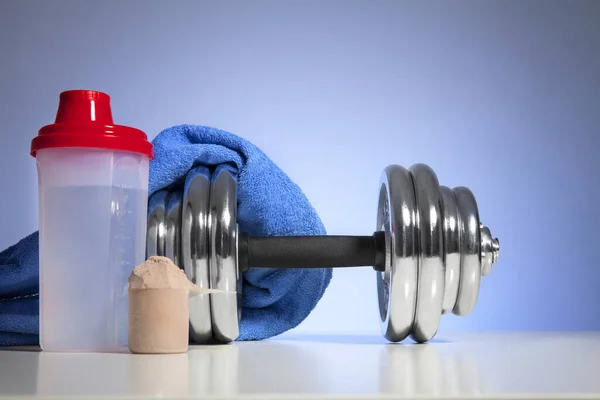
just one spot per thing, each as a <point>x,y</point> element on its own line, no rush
<point>159,293</point>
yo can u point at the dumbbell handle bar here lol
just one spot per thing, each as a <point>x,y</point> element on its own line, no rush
<point>311,251</point>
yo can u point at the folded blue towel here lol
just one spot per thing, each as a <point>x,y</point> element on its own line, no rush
<point>269,204</point>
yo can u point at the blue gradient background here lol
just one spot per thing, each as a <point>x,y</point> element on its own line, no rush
<point>500,96</point>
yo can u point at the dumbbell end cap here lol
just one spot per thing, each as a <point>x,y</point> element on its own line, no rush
<point>495,250</point>
<point>490,250</point>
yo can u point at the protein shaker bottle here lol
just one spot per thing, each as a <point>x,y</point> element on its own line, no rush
<point>93,194</point>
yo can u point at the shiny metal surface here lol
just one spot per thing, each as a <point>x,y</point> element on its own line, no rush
<point>397,286</point>
<point>224,274</point>
<point>173,224</point>
<point>431,275</point>
<point>157,227</point>
<point>470,242</point>
<point>436,252</point>
<point>490,248</point>
<point>451,248</point>
<point>195,249</point>
<point>495,249</point>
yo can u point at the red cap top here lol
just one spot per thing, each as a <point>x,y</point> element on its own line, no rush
<point>84,119</point>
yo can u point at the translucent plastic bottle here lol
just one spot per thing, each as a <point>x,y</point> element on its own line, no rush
<point>93,193</point>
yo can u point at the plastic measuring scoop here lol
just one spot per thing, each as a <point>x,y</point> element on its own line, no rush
<point>93,195</point>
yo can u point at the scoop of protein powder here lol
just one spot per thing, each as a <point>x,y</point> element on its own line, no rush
<point>159,294</point>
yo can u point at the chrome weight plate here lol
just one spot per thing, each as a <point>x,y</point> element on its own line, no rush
<point>451,226</point>
<point>195,249</point>
<point>470,242</point>
<point>397,286</point>
<point>431,276</point>
<point>157,226</point>
<point>173,224</point>
<point>224,274</point>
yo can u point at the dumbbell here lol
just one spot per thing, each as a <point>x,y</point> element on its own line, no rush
<point>429,250</point>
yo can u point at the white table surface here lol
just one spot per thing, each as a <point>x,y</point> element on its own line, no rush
<point>490,365</point>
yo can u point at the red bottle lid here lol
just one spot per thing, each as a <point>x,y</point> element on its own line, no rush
<point>84,119</point>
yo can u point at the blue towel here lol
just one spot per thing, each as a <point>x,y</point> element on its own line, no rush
<point>269,204</point>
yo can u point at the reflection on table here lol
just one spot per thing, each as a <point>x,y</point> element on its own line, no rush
<point>475,366</point>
